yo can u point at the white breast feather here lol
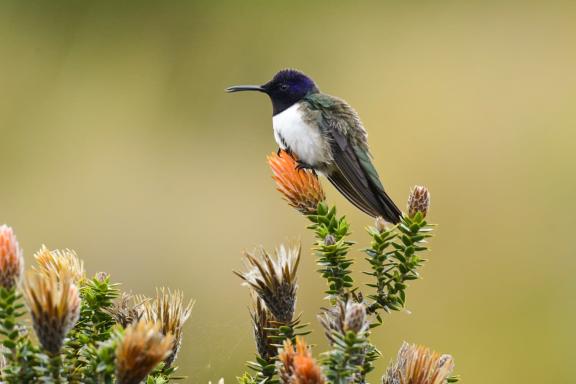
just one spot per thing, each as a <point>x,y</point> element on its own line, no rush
<point>304,140</point>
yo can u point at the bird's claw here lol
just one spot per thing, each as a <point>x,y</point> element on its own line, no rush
<point>301,166</point>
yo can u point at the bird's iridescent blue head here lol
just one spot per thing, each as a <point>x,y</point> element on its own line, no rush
<point>286,88</point>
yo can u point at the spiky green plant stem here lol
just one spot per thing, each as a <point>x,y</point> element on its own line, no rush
<point>332,248</point>
<point>94,325</point>
<point>55,368</point>
<point>19,353</point>
<point>345,363</point>
<point>265,366</point>
<point>394,258</point>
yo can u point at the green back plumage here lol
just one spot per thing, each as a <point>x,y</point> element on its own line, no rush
<point>353,172</point>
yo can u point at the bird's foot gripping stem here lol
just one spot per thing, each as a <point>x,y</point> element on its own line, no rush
<point>302,165</point>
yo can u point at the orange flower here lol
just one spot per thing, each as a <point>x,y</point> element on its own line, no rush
<point>297,366</point>
<point>11,259</point>
<point>300,187</point>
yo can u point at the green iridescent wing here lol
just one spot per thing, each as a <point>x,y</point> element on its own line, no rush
<point>353,173</point>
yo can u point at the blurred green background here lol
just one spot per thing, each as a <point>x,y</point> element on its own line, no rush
<point>118,141</point>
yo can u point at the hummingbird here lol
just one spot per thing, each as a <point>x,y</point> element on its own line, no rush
<point>325,134</point>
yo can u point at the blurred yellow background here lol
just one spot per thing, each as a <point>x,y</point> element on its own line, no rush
<point>118,141</point>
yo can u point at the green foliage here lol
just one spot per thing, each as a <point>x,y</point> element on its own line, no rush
<point>394,260</point>
<point>18,351</point>
<point>89,353</point>
<point>246,378</point>
<point>346,362</point>
<point>99,359</point>
<point>265,367</point>
<point>265,370</point>
<point>95,324</point>
<point>332,249</point>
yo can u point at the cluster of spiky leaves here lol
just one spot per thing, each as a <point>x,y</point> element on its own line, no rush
<point>80,340</point>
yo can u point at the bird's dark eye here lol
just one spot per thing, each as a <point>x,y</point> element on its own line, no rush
<point>283,87</point>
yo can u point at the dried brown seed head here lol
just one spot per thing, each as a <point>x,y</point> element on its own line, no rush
<point>418,201</point>
<point>416,364</point>
<point>355,319</point>
<point>140,351</point>
<point>54,303</point>
<point>127,309</point>
<point>273,279</point>
<point>170,311</point>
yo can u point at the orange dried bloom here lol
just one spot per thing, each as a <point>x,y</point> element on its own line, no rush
<point>11,259</point>
<point>300,187</point>
<point>297,366</point>
<point>417,364</point>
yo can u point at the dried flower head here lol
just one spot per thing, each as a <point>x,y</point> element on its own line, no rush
<point>273,279</point>
<point>416,364</point>
<point>170,311</point>
<point>418,201</point>
<point>60,261</point>
<point>263,322</point>
<point>54,303</point>
<point>355,318</point>
<point>296,365</point>
<point>380,224</point>
<point>11,259</point>
<point>300,187</point>
<point>344,317</point>
<point>127,309</point>
<point>140,351</point>
<point>329,240</point>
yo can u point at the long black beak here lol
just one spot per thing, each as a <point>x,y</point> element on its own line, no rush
<point>238,88</point>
